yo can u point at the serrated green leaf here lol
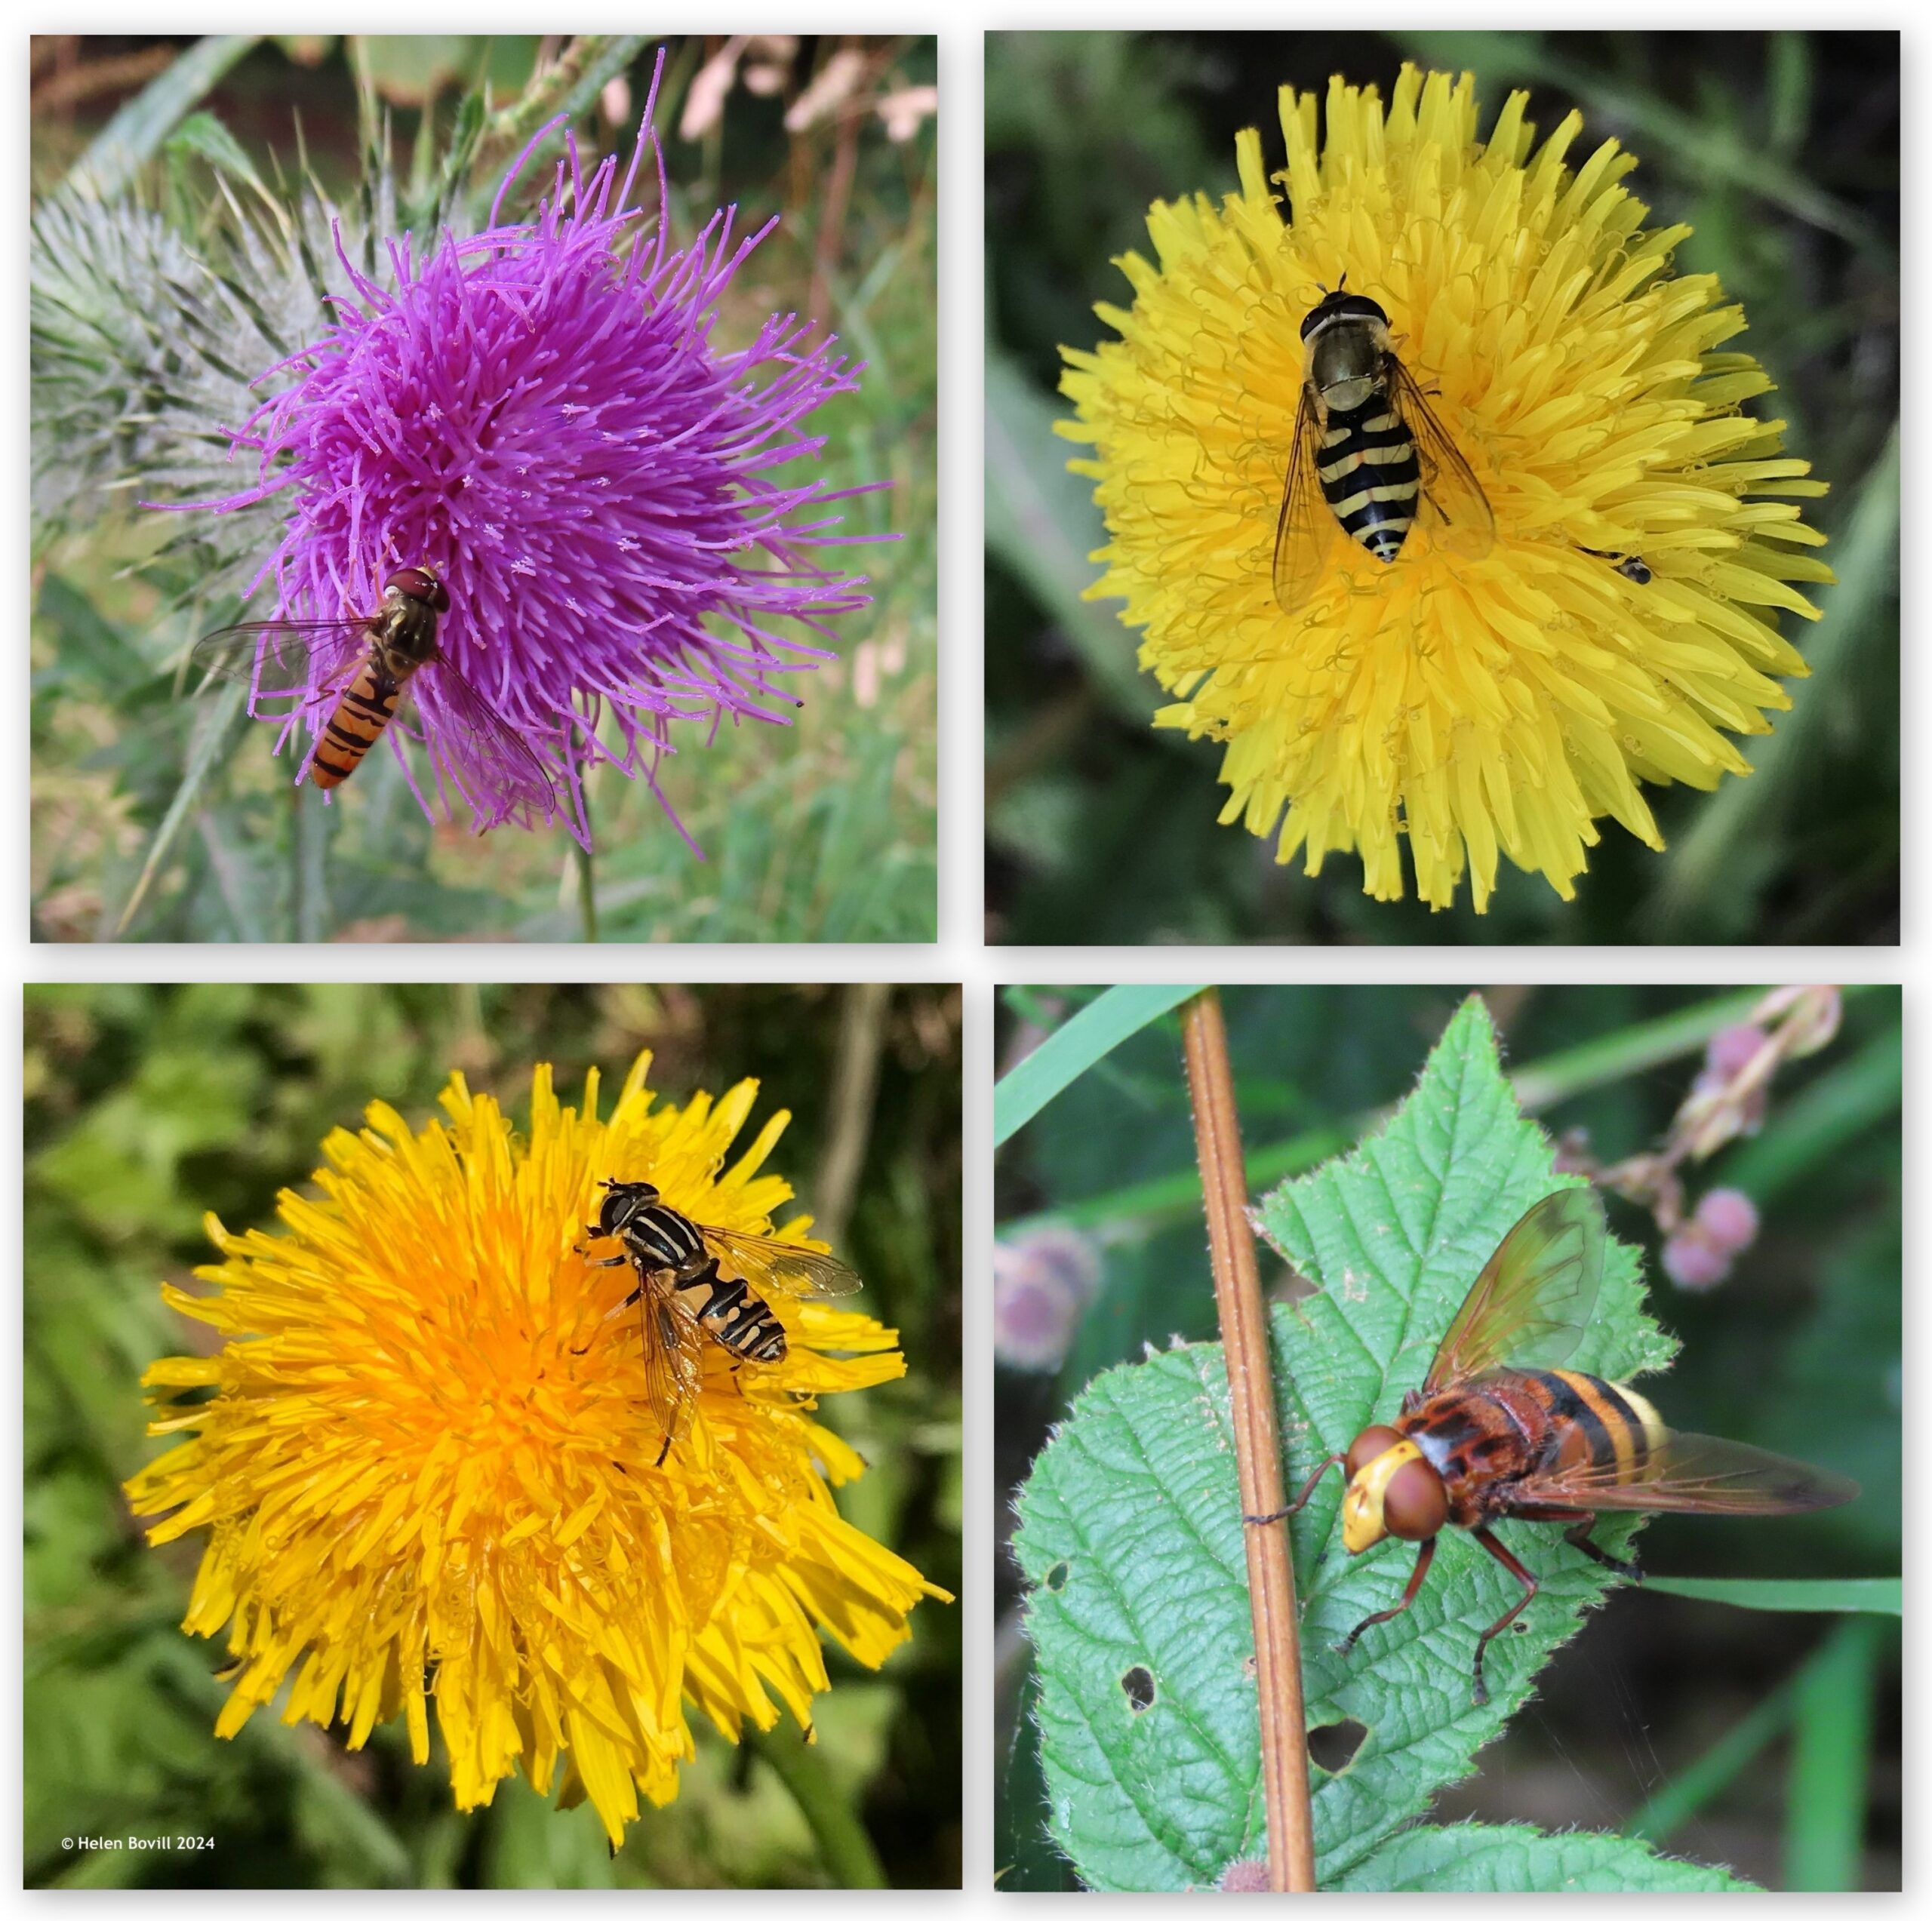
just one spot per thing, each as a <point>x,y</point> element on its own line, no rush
<point>1131,1534</point>
<point>1470,1858</point>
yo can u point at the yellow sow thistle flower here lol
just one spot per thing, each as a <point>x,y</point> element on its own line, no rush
<point>1501,703</point>
<point>414,1485</point>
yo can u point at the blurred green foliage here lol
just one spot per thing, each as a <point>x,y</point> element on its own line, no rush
<point>146,1106</point>
<point>1782,150</point>
<point>823,830</point>
<point>1799,1351</point>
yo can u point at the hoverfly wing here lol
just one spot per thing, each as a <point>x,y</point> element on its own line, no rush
<point>782,1268</point>
<point>485,751</point>
<point>277,656</point>
<point>1466,524</point>
<point>1692,1474</point>
<point>1533,1299</point>
<point>672,1370</point>
<point>1306,527</point>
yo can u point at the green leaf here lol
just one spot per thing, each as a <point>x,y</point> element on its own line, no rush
<point>1041,522</point>
<point>1874,1597</point>
<point>1065,1055</point>
<point>138,129</point>
<point>1831,1756</point>
<point>207,136</point>
<point>1471,1858</point>
<point>216,727</point>
<point>1131,1535</point>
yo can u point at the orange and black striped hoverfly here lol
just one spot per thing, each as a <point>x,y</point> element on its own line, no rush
<point>1479,1441</point>
<point>348,675</point>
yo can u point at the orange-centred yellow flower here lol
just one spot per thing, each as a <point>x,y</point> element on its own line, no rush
<point>426,1472</point>
<point>1621,628</point>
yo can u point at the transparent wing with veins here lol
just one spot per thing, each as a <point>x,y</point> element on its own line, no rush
<point>778,1267</point>
<point>299,660</point>
<point>482,754</point>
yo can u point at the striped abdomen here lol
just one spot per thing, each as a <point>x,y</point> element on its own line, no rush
<point>733,1315</point>
<point>1487,1433</point>
<point>368,706</point>
<point>1369,473</point>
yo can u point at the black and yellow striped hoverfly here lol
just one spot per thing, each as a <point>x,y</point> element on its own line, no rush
<point>1368,452</point>
<point>683,1292</point>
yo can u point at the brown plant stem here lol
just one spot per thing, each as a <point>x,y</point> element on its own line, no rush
<point>1271,1577</point>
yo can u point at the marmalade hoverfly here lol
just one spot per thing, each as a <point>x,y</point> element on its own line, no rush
<point>365,662</point>
<point>681,1292</point>
<point>1368,444</point>
<point>1479,1441</point>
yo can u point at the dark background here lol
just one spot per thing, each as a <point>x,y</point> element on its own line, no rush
<point>1798,1351</point>
<point>146,1105</point>
<point>1781,150</point>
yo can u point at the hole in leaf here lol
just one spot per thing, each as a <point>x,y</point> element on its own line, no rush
<point>1057,1576</point>
<point>1333,1747</point>
<point>1138,1685</point>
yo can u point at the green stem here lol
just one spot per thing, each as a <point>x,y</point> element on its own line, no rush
<point>586,869</point>
<point>844,1845</point>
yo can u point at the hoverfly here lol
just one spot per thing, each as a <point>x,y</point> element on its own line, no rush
<point>365,662</point>
<point>1633,566</point>
<point>681,1294</point>
<point>1368,444</point>
<point>1481,1442</point>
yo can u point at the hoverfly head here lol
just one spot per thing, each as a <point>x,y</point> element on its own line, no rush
<point>419,583</point>
<point>1392,1489</point>
<point>623,1201</point>
<point>1342,306</point>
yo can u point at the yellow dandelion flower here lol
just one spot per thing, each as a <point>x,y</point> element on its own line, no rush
<point>1622,625</point>
<point>415,1485</point>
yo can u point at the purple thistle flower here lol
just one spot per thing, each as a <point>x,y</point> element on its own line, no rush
<point>540,415</point>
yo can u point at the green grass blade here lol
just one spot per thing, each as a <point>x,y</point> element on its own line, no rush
<point>137,132</point>
<point>1881,1596</point>
<point>1831,1753</point>
<point>1062,1057</point>
<point>1042,523</point>
<point>213,736</point>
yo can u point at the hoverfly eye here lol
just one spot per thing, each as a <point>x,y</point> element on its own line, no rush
<point>1415,1505</point>
<point>418,583</point>
<point>1367,1444</point>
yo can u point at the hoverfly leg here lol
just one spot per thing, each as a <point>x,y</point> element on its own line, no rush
<point>1346,1645</point>
<point>1295,1506</point>
<point>1480,1693</point>
<point>662,1453</point>
<point>1579,1537</point>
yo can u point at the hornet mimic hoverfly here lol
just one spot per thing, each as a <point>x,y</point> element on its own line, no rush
<point>1368,444</point>
<point>365,662</point>
<point>1481,1442</point>
<point>681,1292</point>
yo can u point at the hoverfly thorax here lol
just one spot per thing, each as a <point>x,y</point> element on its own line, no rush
<point>405,626</point>
<point>1347,339</point>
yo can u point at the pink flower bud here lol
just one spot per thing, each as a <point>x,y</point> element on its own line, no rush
<point>1728,1219</point>
<point>1693,1260</point>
